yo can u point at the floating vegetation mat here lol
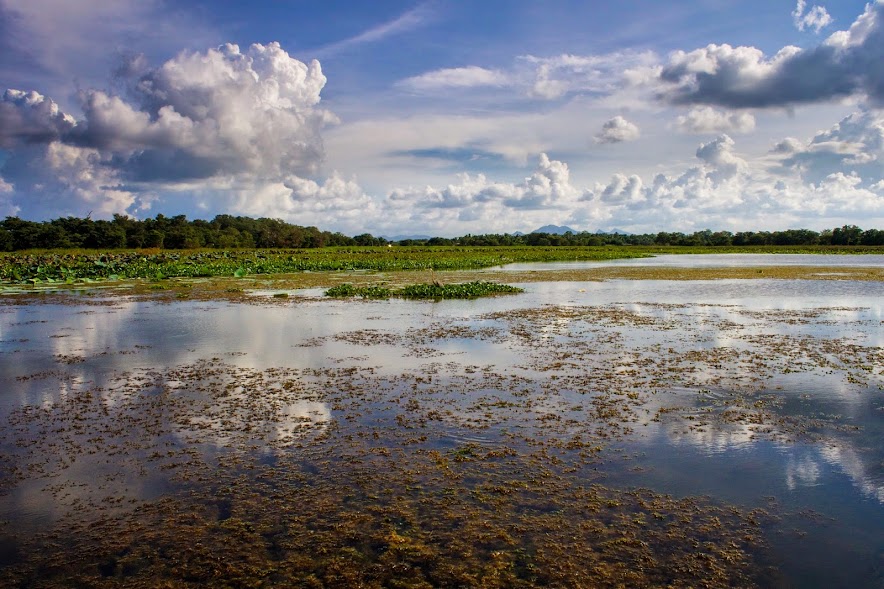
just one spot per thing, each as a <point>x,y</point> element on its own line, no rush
<point>262,487</point>
<point>435,291</point>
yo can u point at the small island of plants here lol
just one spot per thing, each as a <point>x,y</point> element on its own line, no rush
<point>467,290</point>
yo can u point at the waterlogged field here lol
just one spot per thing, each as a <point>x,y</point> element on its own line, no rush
<point>683,427</point>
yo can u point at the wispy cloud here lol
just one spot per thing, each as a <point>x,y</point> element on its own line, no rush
<point>543,78</point>
<point>408,21</point>
<point>461,77</point>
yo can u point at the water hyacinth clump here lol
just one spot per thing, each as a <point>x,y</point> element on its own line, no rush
<point>468,290</point>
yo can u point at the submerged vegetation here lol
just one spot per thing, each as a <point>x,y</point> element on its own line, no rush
<point>426,466</point>
<point>469,290</point>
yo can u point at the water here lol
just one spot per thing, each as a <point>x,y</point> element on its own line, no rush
<point>761,394</point>
<point>715,261</point>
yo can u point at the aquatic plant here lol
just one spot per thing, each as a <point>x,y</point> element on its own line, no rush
<point>74,266</point>
<point>468,290</point>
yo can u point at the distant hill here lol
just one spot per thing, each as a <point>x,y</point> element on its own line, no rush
<point>555,230</point>
<point>614,231</point>
<point>404,237</point>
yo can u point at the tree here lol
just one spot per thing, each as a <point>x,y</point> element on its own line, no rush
<point>847,235</point>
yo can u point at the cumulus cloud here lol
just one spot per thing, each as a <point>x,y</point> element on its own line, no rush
<point>724,188</point>
<point>848,63</point>
<point>719,154</point>
<point>307,201</point>
<point>461,77</point>
<point>853,145</point>
<point>224,115</point>
<point>704,119</point>
<point>788,145</point>
<point>28,117</point>
<point>727,190</point>
<point>623,190</point>
<point>617,130</point>
<point>549,187</point>
<point>816,18</point>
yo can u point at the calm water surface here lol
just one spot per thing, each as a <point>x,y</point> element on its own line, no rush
<point>826,490</point>
<point>715,261</point>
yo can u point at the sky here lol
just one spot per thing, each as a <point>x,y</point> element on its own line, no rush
<point>447,117</point>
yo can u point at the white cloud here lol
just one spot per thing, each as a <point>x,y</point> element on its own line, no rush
<point>461,77</point>
<point>845,65</point>
<point>303,201</point>
<point>617,130</point>
<point>855,144</point>
<point>545,78</point>
<point>788,145</point>
<point>719,154</point>
<point>623,190</point>
<point>724,187</point>
<point>218,116</point>
<point>817,18</point>
<point>407,21</point>
<point>553,77</point>
<point>704,119</point>
<point>29,117</point>
<point>548,187</point>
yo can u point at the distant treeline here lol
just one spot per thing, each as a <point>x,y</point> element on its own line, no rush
<point>224,231</point>
<point>846,235</point>
<point>229,232</point>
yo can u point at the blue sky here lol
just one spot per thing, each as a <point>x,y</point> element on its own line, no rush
<point>447,117</point>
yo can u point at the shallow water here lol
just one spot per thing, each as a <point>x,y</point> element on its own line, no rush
<point>714,261</point>
<point>760,394</point>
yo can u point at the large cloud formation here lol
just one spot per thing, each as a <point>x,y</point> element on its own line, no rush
<point>797,184</point>
<point>847,63</point>
<point>224,118</point>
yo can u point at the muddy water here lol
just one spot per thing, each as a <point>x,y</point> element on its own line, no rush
<point>750,412</point>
